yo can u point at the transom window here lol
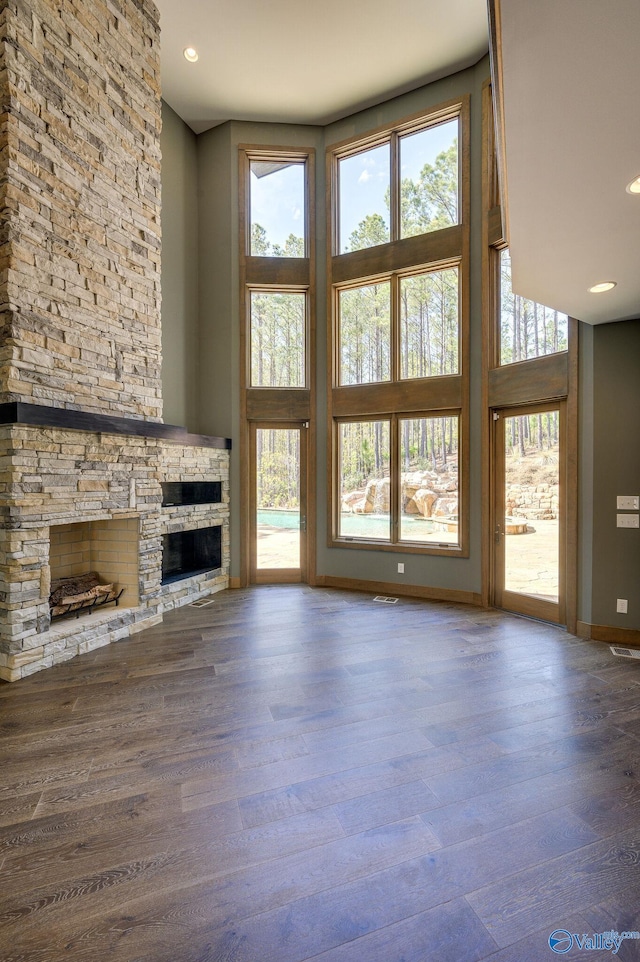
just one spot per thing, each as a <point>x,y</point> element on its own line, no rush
<point>527,329</point>
<point>429,166</point>
<point>401,187</point>
<point>277,207</point>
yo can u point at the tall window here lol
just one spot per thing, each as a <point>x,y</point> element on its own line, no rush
<point>400,348</point>
<point>404,186</point>
<point>529,433</point>
<point>277,271</point>
<point>277,338</point>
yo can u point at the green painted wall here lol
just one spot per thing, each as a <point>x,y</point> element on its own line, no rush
<point>585,471</point>
<point>179,270</point>
<point>616,471</point>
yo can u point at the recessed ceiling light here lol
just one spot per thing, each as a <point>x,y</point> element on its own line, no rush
<point>634,186</point>
<point>603,287</point>
<point>190,54</point>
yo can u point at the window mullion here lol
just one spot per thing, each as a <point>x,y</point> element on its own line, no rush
<point>394,213</point>
<point>394,472</point>
<point>395,328</point>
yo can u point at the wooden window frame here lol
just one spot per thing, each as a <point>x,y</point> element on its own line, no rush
<point>392,134</point>
<point>265,289</point>
<point>395,472</point>
<point>276,274</point>
<point>395,344</point>
<point>437,250</point>
<point>550,377</point>
<point>495,265</point>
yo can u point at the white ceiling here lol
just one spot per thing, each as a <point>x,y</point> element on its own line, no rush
<point>571,81</point>
<point>303,62</point>
<point>571,76</point>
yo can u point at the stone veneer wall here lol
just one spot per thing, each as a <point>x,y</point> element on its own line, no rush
<point>50,476</point>
<point>196,464</point>
<point>80,203</point>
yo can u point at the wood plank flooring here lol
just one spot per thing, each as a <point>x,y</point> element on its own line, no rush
<point>295,773</point>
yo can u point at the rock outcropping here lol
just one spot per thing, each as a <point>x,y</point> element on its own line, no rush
<point>430,494</point>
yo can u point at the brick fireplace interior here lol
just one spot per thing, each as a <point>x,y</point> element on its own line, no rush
<point>109,547</point>
<point>84,452</point>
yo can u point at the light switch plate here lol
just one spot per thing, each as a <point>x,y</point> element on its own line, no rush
<point>628,502</point>
<point>628,521</point>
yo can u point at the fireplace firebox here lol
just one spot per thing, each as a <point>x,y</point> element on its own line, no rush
<point>188,553</point>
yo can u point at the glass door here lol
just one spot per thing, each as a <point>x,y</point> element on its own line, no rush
<point>529,511</point>
<point>278,509</point>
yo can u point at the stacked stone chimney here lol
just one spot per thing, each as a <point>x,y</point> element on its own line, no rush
<point>80,196</point>
<point>81,433</point>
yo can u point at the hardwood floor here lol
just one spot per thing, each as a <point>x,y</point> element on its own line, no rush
<point>295,773</point>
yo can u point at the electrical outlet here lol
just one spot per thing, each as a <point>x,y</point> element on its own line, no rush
<point>621,606</point>
<point>628,521</point>
<point>400,568</point>
<point>628,502</point>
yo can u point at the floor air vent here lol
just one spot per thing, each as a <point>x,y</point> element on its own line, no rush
<point>385,600</point>
<point>625,652</point>
<point>201,603</point>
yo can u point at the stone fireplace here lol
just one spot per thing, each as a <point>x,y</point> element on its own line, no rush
<point>84,451</point>
<point>76,501</point>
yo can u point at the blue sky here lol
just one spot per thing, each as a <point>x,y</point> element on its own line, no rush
<point>277,203</point>
<point>277,200</point>
<point>364,177</point>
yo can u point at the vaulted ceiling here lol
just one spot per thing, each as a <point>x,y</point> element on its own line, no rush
<point>300,62</point>
<point>571,73</point>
